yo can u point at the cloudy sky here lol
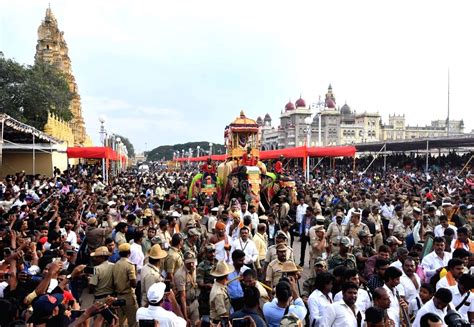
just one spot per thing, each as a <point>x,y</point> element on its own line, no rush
<point>164,72</point>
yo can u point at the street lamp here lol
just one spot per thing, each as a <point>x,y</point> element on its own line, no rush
<point>210,149</point>
<point>103,140</point>
<point>308,122</point>
<point>198,148</point>
<point>118,146</point>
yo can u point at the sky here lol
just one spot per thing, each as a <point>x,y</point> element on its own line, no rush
<point>166,72</point>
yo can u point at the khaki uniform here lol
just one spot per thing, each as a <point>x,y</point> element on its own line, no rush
<point>103,280</point>
<point>394,223</point>
<point>123,272</point>
<point>272,254</point>
<point>352,231</point>
<point>274,272</point>
<point>164,236</point>
<point>173,261</point>
<point>261,243</point>
<point>185,281</point>
<point>183,220</point>
<point>378,237</point>
<point>150,275</point>
<point>314,242</point>
<point>402,231</point>
<point>219,302</point>
<point>334,233</point>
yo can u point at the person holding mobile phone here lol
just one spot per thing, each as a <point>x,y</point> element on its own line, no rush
<point>154,311</point>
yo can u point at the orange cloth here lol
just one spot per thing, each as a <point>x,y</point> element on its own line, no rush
<point>450,278</point>
<point>459,245</point>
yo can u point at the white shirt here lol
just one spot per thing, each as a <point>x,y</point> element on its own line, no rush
<point>137,257</point>
<point>300,212</point>
<point>439,231</point>
<point>413,305</point>
<point>255,221</point>
<point>429,307</point>
<point>317,304</point>
<point>443,283</point>
<point>249,248</point>
<point>411,292</point>
<point>339,314</point>
<point>363,301</point>
<point>164,317</point>
<point>468,306</point>
<point>394,310</point>
<point>432,262</point>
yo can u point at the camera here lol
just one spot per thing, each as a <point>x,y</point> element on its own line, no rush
<point>119,303</point>
<point>454,319</point>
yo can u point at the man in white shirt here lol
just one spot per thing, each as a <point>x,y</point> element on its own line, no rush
<point>156,312</point>
<point>437,305</point>
<point>436,259</point>
<point>136,252</point>
<point>300,212</point>
<point>344,313</point>
<point>321,298</point>
<point>396,292</point>
<point>364,300</point>
<point>443,225</point>
<point>410,280</point>
<point>455,271</point>
<point>463,298</point>
<point>247,245</point>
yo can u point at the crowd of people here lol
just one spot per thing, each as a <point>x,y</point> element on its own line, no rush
<point>390,247</point>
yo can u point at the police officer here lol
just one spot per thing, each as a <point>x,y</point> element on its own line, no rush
<point>271,255</point>
<point>101,281</point>
<point>185,284</point>
<point>125,280</point>
<point>219,298</point>
<point>205,280</point>
<point>174,260</point>
<point>151,273</point>
<point>274,269</point>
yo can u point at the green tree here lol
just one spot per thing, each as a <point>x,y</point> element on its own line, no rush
<point>128,145</point>
<point>28,93</point>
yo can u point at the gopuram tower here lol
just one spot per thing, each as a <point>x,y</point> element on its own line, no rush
<point>52,49</point>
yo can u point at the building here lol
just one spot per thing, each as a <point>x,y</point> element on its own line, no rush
<point>343,126</point>
<point>52,48</point>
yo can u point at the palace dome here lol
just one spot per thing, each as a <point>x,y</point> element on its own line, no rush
<point>289,106</point>
<point>300,103</point>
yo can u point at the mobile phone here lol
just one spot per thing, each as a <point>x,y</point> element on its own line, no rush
<point>225,322</point>
<point>70,252</point>
<point>7,251</point>
<point>89,270</point>
<point>168,286</point>
<point>119,303</point>
<point>76,313</point>
<point>108,315</point>
<point>240,322</point>
<point>146,323</point>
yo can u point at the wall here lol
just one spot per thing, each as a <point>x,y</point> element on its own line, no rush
<point>15,161</point>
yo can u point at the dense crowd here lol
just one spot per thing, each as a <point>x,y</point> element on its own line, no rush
<point>390,247</point>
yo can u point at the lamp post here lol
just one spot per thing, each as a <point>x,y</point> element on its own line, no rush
<point>308,122</point>
<point>103,140</point>
<point>198,148</point>
<point>182,153</point>
<point>210,149</point>
<point>118,141</point>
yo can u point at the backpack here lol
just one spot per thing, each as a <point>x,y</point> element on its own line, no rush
<point>290,320</point>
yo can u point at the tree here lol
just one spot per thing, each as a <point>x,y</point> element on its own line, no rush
<point>166,151</point>
<point>28,93</point>
<point>128,145</point>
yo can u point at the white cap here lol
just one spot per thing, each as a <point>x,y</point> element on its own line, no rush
<point>155,292</point>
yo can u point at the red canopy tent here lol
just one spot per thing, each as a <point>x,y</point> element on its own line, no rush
<point>95,152</point>
<point>297,152</point>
